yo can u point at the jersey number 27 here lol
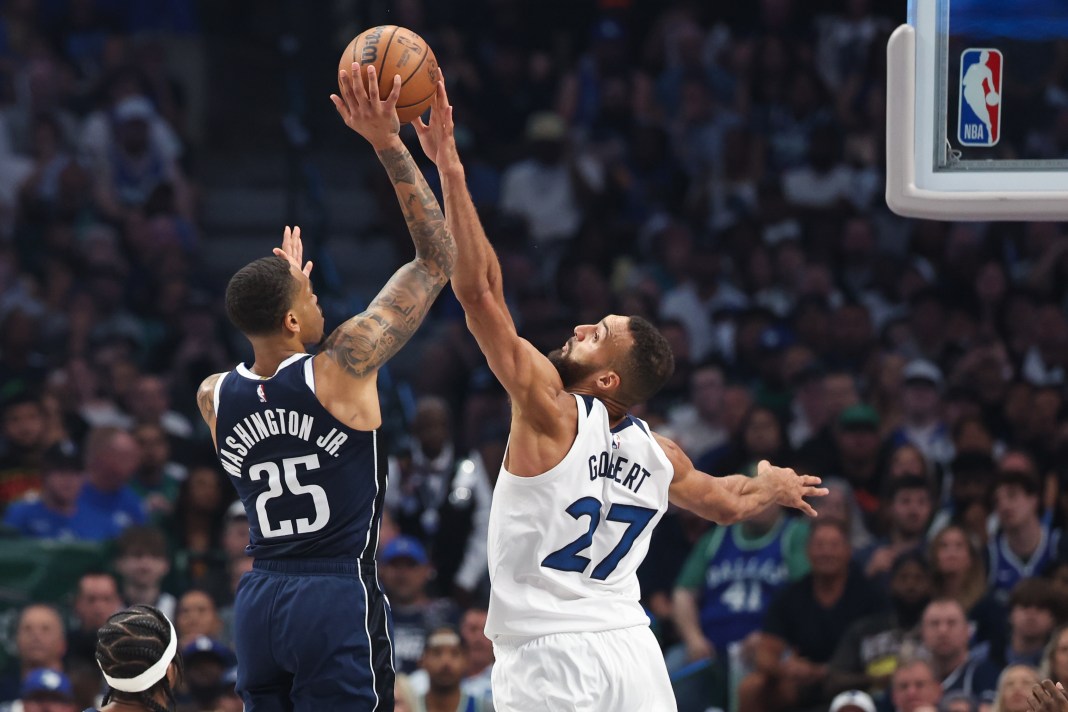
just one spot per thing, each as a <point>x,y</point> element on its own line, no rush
<point>569,559</point>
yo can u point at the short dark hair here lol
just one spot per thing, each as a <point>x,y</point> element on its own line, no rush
<point>1035,593</point>
<point>259,295</point>
<point>648,364</point>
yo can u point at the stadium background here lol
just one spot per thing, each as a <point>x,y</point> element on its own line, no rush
<point>718,169</point>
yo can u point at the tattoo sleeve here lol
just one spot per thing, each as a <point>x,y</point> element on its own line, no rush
<point>206,398</point>
<point>364,343</point>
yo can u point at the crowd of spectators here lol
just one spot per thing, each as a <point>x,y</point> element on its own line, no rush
<point>718,170</point>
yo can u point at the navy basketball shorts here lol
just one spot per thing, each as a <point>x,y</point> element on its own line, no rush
<point>313,635</point>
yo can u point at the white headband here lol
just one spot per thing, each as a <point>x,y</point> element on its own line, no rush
<point>150,676</point>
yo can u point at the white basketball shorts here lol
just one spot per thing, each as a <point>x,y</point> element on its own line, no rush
<point>609,671</point>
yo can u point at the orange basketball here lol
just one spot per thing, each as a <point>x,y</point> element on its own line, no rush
<point>396,50</point>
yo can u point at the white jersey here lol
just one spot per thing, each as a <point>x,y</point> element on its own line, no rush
<point>565,546</point>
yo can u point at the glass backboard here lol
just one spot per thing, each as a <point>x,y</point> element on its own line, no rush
<point>977,110</point>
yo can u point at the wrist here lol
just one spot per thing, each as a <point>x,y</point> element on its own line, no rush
<point>451,169</point>
<point>393,141</point>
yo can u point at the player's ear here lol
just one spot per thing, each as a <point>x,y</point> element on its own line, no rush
<point>608,381</point>
<point>291,322</point>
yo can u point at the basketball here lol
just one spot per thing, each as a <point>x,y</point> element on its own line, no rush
<point>396,50</point>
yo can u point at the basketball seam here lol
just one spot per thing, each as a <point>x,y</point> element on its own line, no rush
<point>385,55</point>
<point>423,59</point>
<point>416,103</point>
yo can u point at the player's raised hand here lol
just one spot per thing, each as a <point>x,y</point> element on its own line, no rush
<point>438,138</point>
<point>789,488</point>
<point>292,250</point>
<point>1048,696</point>
<point>363,110</point>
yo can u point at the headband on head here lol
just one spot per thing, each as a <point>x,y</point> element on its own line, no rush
<point>149,677</point>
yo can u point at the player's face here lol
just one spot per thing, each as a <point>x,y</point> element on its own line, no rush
<point>592,348</point>
<point>306,307</point>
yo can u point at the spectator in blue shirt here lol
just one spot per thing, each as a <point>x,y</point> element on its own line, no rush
<point>57,512</point>
<point>111,459</point>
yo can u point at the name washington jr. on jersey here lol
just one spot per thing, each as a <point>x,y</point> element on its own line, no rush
<point>274,421</point>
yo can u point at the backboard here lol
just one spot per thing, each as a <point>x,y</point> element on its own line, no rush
<point>977,110</point>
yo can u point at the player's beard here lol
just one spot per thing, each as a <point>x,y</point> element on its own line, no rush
<point>571,372</point>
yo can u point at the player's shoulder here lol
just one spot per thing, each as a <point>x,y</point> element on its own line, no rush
<point>206,395</point>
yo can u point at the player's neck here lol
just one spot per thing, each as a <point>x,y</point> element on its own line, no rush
<point>616,410</point>
<point>270,352</point>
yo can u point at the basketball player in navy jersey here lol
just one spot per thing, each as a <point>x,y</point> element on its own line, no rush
<point>297,435</point>
<point>582,486</point>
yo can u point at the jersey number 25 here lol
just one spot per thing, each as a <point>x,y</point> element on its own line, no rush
<point>275,489</point>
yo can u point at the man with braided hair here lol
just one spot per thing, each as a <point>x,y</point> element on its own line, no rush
<point>137,650</point>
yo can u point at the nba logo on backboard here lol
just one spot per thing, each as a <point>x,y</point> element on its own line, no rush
<point>979,122</point>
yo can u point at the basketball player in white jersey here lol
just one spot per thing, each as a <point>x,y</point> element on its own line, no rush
<point>582,486</point>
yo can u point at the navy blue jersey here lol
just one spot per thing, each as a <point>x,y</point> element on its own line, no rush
<point>312,486</point>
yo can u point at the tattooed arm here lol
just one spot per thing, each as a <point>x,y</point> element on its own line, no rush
<point>364,343</point>
<point>206,400</point>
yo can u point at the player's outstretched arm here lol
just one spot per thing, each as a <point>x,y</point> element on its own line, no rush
<point>726,500</point>
<point>528,376</point>
<point>364,343</point>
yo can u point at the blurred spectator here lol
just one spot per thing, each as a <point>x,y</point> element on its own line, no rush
<point>960,574</point>
<point>1014,688</point>
<point>111,458</point>
<point>442,500</point>
<point>697,426</point>
<point>445,660</point>
<point>852,701</point>
<point>142,563</point>
<point>47,690</point>
<point>923,425</point>
<point>868,651</point>
<point>405,571</point>
<point>1024,545</point>
<point>944,634</point>
<point>1055,657</point>
<point>197,616</point>
<point>206,662</point>
<point>22,446</point>
<point>909,505</point>
<point>158,477</point>
<point>477,680</point>
<point>1033,614</point>
<point>57,512</point>
<point>807,618</point>
<point>970,480</point>
<point>840,504</point>
<point>95,599</point>
<point>732,575</point>
<point>405,700</point>
<point>149,402</point>
<point>40,644</point>
<point>548,189</point>
<point>914,686</point>
<point>197,523</point>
